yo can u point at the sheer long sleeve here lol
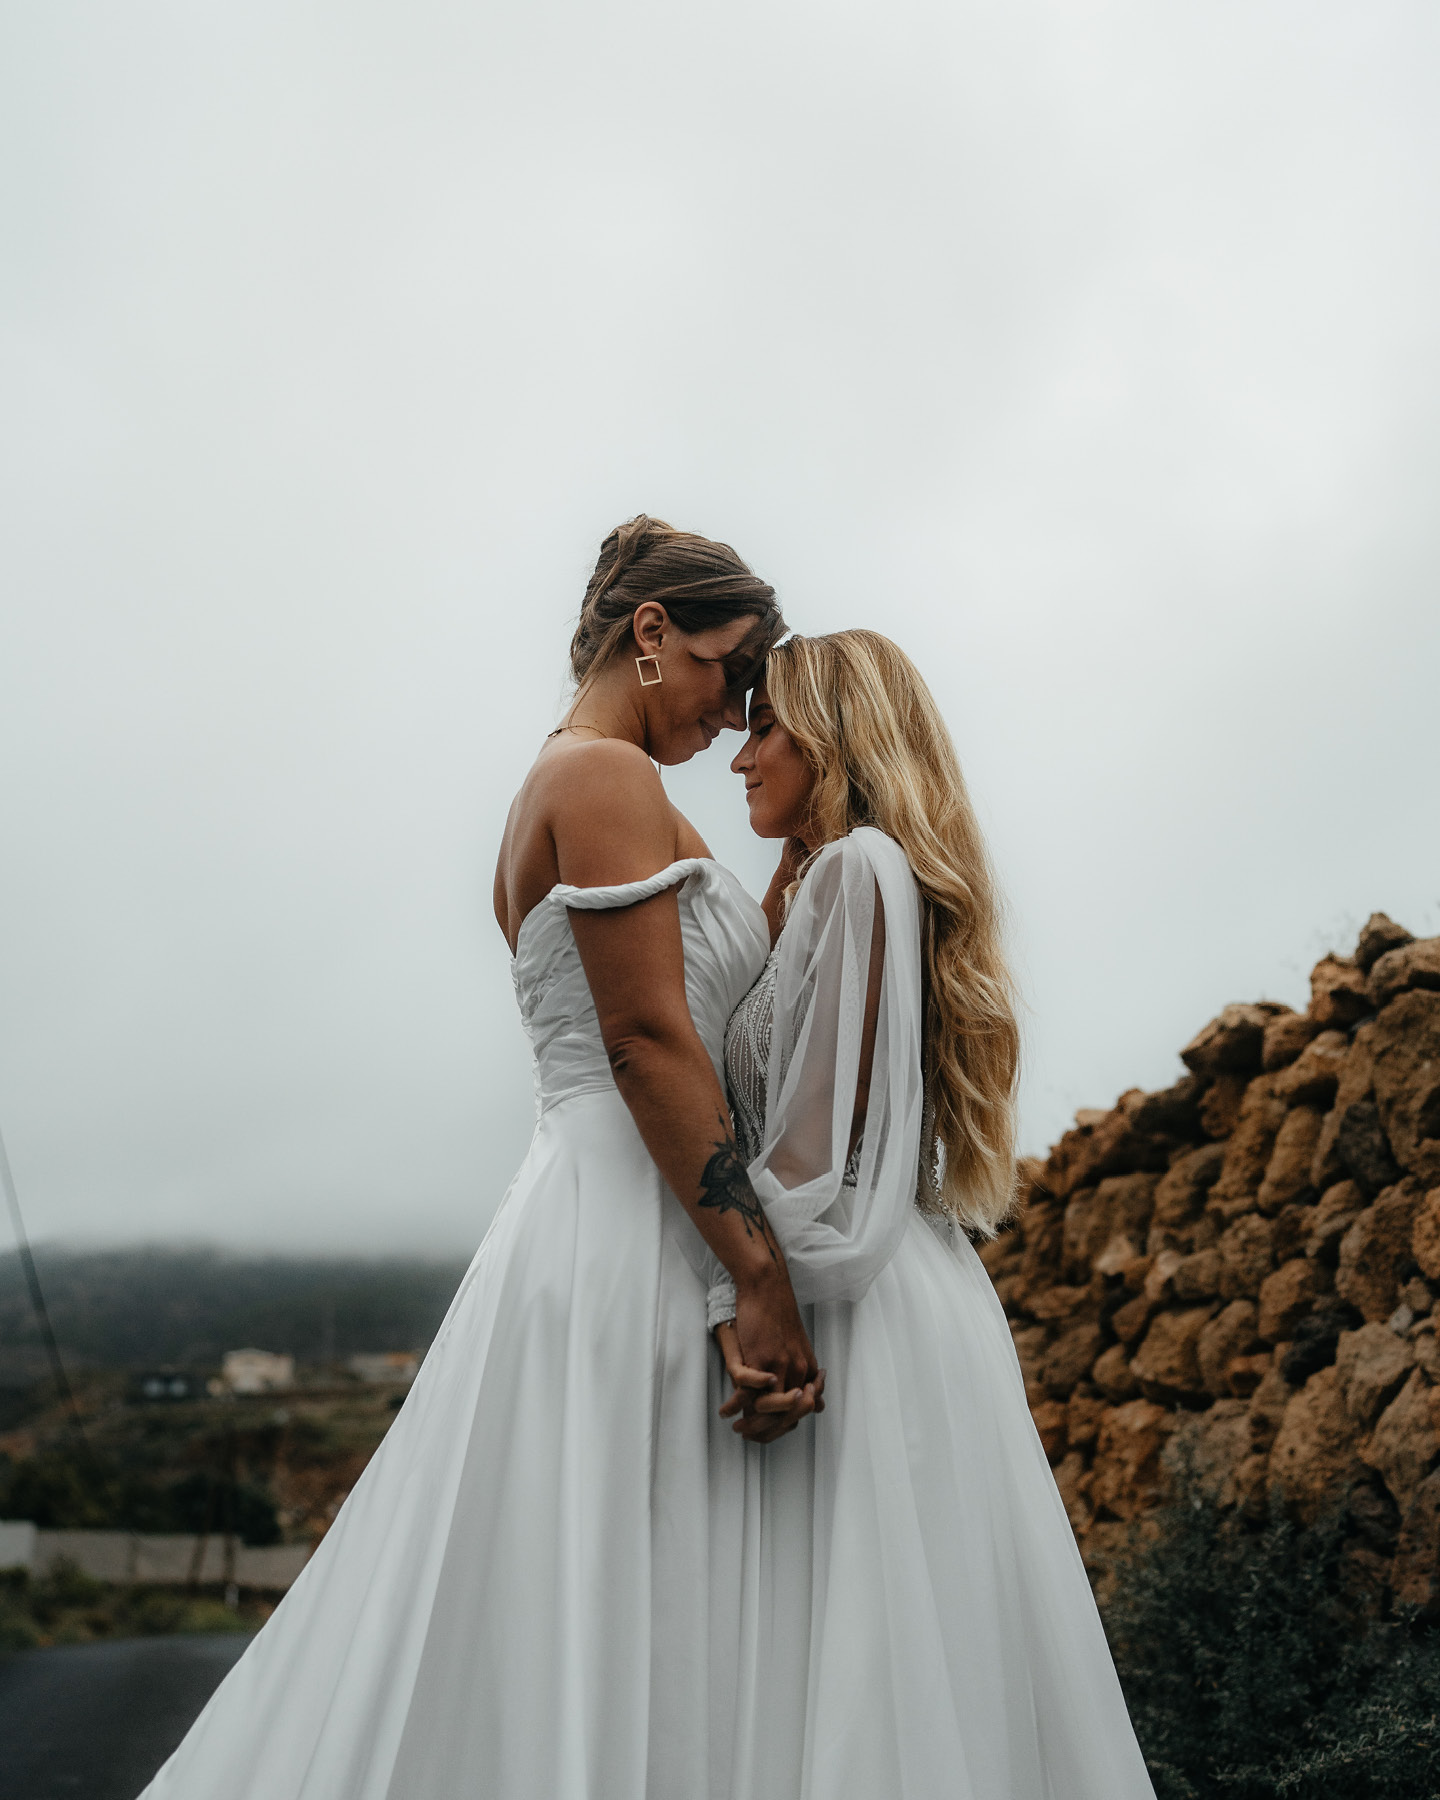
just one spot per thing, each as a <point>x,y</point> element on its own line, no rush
<point>840,1225</point>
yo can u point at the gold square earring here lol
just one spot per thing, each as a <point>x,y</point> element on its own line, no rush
<point>656,678</point>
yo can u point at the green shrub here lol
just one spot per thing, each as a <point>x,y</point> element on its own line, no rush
<point>1258,1667</point>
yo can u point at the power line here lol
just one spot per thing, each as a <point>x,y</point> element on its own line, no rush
<point>37,1300</point>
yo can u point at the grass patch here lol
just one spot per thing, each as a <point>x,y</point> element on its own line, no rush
<point>67,1606</point>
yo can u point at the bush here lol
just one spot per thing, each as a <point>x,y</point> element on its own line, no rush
<point>59,1492</point>
<point>1258,1667</point>
<point>66,1606</point>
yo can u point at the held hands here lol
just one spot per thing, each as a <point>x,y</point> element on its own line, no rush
<point>762,1408</point>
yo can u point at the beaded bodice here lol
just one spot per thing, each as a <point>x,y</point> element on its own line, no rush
<point>747,1064</point>
<point>747,1058</point>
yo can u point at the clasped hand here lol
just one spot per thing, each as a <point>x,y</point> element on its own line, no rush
<point>761,1408</point>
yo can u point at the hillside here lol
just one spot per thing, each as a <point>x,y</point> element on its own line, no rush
<point>127,1308</point>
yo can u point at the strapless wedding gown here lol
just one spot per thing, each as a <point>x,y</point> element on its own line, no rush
<point>515,1602</point>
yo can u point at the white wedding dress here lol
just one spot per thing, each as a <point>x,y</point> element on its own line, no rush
<point>914,1619</point>
<point>513,1603</point>
<point>563,1577</point>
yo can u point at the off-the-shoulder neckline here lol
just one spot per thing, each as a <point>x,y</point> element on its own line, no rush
<point>569,887</point>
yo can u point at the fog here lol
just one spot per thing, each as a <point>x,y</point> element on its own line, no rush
<point>1086,347</point>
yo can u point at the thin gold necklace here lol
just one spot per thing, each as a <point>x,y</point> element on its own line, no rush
<point>559,728</point>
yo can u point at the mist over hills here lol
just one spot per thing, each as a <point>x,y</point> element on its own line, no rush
<point>187,1306</point>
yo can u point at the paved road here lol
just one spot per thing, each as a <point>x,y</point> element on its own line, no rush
<point>95,1721</point>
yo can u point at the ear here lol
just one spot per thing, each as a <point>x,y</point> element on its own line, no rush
<point>650,624</point>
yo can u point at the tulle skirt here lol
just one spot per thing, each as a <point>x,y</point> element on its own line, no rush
<point>914,1618</point>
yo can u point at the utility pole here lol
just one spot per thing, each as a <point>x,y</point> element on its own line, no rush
<point>42,1315</point>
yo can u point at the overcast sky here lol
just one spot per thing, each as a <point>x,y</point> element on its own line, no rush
<point>1087,347</point>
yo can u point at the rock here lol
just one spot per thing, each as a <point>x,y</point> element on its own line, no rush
<point>1031,1343</point>
<point>1417,1294</point>
<point>1246,1373</point>
<point>1174,1112</point>
<point>1129,1320</point>
<point>1313,1460</point>
<point>1312,1079</point>
<point>1357,1082</point>
<point>1126,1478</point>
<point>1082,1420</point>
<point>1167,1363</point>
<point>1040,1259</point>
<point>1379,934</point>
<point>1119,1206</point>
<point>1230,1334</point>
<point>1375,1252</point>
<point>1286,1035</point>
<point>1290,1234</point>
<point>1113,1376</point>
<point>1197,1277</point>
<point>1160,1281</point>
<point>1425,1235</point>
<point>1056,1304</point>
<point>1363,1148</point>
<point>1406,1048</point>
<point>1135,1273</point>
<point>1104,1144</point>
<point>1220,1109</point>
<point>1072,1478</point>
<point>1084,1232</point>
<point>1339,1207</point>
<point>1069,1358</point>
<point>1338,992</point>
<point>1287,1174</point>
<point>1050,1421</point>
<point>1316,1337</point>
<point>1286,1298</point>
<point>1415,966</point>
<point>1126,1202</point>
<point>1415,1573</point>
<point>1372,1364</point>
<point>1231,1044</point>
<point>1213,1450</point>
<point>1180,1192</point>
<point>1267,1407</point>
<point>1246,1256</point>
<point>1404,1445</point>
<point>1248,1152</point>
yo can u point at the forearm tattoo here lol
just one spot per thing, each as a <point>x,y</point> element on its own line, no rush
<point>725,1187</point>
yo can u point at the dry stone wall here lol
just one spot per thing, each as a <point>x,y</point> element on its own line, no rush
<point>1240,1273</point>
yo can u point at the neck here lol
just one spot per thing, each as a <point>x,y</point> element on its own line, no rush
<point>613,706</point>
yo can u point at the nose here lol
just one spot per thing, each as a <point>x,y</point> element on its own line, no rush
<point>743,759</point>
<point>734,714</point>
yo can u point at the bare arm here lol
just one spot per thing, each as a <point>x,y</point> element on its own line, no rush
<point>616,825</point>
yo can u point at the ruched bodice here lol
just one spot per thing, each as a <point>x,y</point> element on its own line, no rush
<point>725,939</point>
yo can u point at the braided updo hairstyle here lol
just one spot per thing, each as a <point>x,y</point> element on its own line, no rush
<point>700,583</point>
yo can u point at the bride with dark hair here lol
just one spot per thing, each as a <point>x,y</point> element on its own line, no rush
<point>594,1559</point>
<point>514,1603</point>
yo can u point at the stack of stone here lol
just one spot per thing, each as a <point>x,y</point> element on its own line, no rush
<point>1240,1273</point>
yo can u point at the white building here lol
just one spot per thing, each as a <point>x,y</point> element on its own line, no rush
<point>257,1372</point>
<point>400,1366</point>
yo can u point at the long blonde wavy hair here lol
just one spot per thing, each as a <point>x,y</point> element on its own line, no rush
<point>862,716</point>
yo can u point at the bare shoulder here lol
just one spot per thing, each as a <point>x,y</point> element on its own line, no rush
<point>609,815</point>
